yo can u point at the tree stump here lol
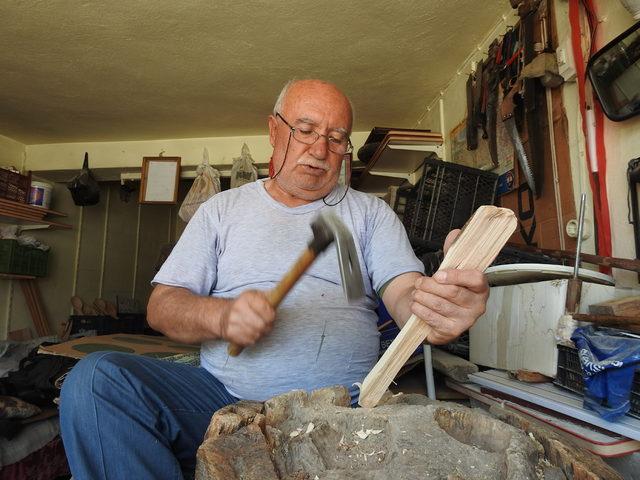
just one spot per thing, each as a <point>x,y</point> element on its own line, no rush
<point>318,436</point>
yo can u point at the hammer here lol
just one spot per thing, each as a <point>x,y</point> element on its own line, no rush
<point>326,228</point>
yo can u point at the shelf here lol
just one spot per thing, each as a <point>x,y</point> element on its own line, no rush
<point>122,174</point>
<point>19,213</point>
<point>15,276</point>
<point>397,160</point>
<point>225,171</point>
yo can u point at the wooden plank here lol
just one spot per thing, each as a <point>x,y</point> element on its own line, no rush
<point>619,321</point>
<point>16,276</point>
<point>476,247</point>
<point>451,365</point>
<point>46,211</point>
<point>627,306</point>
<point>555,398</point>
<point>32,297</point>
<point>614,262</point>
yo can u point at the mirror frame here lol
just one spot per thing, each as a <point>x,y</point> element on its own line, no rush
<point>596,90</point>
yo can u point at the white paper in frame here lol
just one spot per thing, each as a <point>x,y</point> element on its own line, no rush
<point>159,179</point>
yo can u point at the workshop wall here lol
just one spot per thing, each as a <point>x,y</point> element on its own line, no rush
<point>11,152</point>
<point>113,246</point>
<point>448,112</point>
<point>111,251</point>
<point>622,143</point>
<point>622,139</point>
<point>222,150</point>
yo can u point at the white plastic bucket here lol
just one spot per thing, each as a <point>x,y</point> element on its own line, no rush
<point>40,194</point>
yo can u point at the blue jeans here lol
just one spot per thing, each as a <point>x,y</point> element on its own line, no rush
<point>126,416</point>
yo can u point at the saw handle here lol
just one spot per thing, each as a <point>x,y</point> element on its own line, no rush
<point>508,103</point>
<point>280,291</point>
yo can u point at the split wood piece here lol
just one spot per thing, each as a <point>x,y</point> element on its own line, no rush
<point>627,306</point>
<point>620,321</point>
<point>476,247</point>
<point>452,366</point>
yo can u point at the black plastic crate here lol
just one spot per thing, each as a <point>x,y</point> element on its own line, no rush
<point>445,198</point>
<point>569,376</point>
<point>22,259</point>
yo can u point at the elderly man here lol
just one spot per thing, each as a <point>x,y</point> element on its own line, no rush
<point>131,417</point>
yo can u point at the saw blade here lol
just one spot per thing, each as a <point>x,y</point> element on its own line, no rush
<point>525,166</point>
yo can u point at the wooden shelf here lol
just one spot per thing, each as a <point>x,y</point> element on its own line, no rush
<point>19,213</point>
<point>15,276</point>
<point>397,160</point>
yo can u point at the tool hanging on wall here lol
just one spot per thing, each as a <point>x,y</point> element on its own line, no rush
<point>507,114</point>
<point>474,106</point>
<point>490,82</point>
<point>633,177</point>
<point>574,287</point>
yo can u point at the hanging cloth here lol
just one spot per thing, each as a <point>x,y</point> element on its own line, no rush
<point>243,169</point>
<point>205,185</point>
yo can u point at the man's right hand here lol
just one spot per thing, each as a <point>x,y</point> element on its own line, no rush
<point>247,318</point>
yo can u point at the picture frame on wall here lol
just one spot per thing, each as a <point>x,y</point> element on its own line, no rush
<point>159,180</point>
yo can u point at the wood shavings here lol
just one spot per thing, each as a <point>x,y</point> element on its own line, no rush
<point>363,434</point>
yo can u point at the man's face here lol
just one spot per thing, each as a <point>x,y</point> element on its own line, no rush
<point>309,172</point>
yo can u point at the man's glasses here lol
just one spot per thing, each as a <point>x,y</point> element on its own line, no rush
<point>337,142</point>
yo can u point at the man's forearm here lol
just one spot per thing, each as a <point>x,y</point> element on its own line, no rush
<point>397,297</point>
<point>184,316</point>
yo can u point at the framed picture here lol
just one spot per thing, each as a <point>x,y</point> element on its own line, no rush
<point>159,179</point>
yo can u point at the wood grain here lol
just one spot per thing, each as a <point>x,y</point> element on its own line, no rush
<point>476,247</point>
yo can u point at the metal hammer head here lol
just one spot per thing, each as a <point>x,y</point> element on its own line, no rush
<point>327,227</point>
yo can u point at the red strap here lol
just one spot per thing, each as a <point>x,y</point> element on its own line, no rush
<point>598,181</point>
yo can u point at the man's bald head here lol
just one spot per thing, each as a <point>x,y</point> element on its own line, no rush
<point>308,87</point>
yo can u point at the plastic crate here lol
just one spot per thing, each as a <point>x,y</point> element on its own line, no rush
<point>569,376</point>
<point>444,199</point>
<point>14,186</point>
<point>21,259</point>
<point>10,259</point>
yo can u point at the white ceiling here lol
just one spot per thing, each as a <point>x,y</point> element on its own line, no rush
<point>73,71</point>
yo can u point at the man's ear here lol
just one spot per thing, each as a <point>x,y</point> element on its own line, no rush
<point>273,129</point>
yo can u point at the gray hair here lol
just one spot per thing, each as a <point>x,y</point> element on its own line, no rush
<point>277,108</point>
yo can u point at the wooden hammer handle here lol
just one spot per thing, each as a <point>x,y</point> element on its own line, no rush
<point>280,291</point>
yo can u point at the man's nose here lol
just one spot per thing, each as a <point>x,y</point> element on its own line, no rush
<point>320,147</point>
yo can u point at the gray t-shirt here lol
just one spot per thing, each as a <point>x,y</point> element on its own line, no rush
<point>243,239</point>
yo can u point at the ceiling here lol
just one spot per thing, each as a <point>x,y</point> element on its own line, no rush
<point>76,71</point>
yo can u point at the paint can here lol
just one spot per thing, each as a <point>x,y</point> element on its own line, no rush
<point>40,194</point>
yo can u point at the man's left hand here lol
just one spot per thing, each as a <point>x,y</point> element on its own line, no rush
<point>450,302</point>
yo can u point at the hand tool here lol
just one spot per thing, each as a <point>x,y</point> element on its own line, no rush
<point>567,323</point>
<point>326,228</point>
<point>611,262</point>
<point>574,287</point>
<point>506,109</point>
